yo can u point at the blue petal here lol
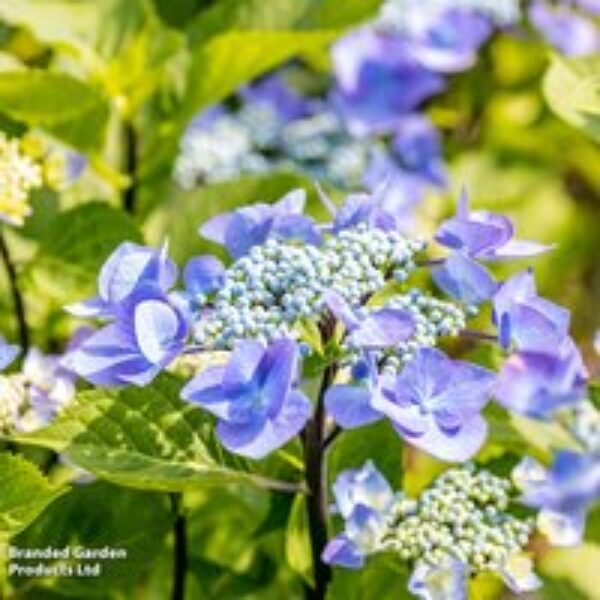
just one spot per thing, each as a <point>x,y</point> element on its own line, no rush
<point>465,279</point>
<point>387,327</point>
<point>349,406</point>
<point>8,353</point>
<point>203,275</point>
<point>206,390</point>
<point>344,553</point>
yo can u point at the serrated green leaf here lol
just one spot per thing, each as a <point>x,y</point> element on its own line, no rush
<point>24,494</point>
<point>297,540</point>
<point>58,103</point>
<point>572,89</point>
<point>144,438</point>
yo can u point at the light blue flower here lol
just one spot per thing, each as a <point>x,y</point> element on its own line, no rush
<point>254,397</point>
<point>444,581</point>
<point>8,353</point>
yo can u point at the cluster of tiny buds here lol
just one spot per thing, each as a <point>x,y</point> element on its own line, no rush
<point>256,140</point>
<point>16,412</point>
<point>280,283</point>
<point>463,514</point>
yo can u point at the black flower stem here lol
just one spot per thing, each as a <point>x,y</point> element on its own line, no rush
<point>180,553</point>
<point>130,156</point>
<point>316,480</point>
<point>478,335</point>
<point>18,303</point>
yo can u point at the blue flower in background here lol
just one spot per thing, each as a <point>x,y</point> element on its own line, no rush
<point>378,81</point>
<point>564,29</point>
<point>254,397</point>
<point>8,353</point>
<point>536,384</point>
<point>524,318</point>
<point>564,493</point>
<point>363,498</point>
<point>484,235</point>
<point>435,403</point>
<point>148,328</point>
<point>251,225</point>
<point>444,581</point>
<point>447,41</point>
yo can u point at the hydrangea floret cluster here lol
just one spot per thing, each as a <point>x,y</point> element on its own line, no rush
<point>457,527</point>
<point>348,303</point>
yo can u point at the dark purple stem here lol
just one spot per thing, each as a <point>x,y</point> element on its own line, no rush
<point>478,335</point>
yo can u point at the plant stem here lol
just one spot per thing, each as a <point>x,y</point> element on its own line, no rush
<point>18,303</point>
<point>478,335</point>
<point>180,557</point>
<point>130,165</point>
<point>316,480</point>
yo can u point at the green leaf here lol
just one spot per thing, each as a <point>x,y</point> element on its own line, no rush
<point>145,438</point>
<point>97,515</point>
<point>297,540</point>
<point>24,494</point>
<point>60,104</point>
<point>231,59</point>
<point>74,246</point>
<point>572,89</point>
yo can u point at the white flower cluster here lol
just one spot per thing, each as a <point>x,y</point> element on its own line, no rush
<point>19,175</point>
<point>255,140</point>
<point>395,15</point>
<point>268,292</point>
<point>462,515</point>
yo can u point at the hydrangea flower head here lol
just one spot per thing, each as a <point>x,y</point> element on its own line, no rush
<point>148,328</point>
<point>254,397</point>
<point>435,403</point>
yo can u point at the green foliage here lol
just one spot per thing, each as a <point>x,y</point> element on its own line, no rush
<point>94,516</point>
<point>297,540</point>
<point>572,88</point>
<point>62,105</point>
<point>142,438</point>
<point>24,494</point>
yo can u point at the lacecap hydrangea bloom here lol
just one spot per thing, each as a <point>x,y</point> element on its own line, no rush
<point>459,526</point>
<point>350,301</point>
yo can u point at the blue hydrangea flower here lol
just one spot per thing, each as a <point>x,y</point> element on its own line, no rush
<point>8,353</point>
<point>126,270</point>
<point>536,384</point>
<point>378,81</point>
<point>447,41</point>
<point>148,328</point>
<point>564,493</point>
<point>564,29</point>
<point>441,581</point>
<point>464,279</point>
<point>254,397</point>
<point>531,322</point>
<point>363,498</point>
<point>435,403</point>
<point>484,235</point>
<point>251,225</point>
